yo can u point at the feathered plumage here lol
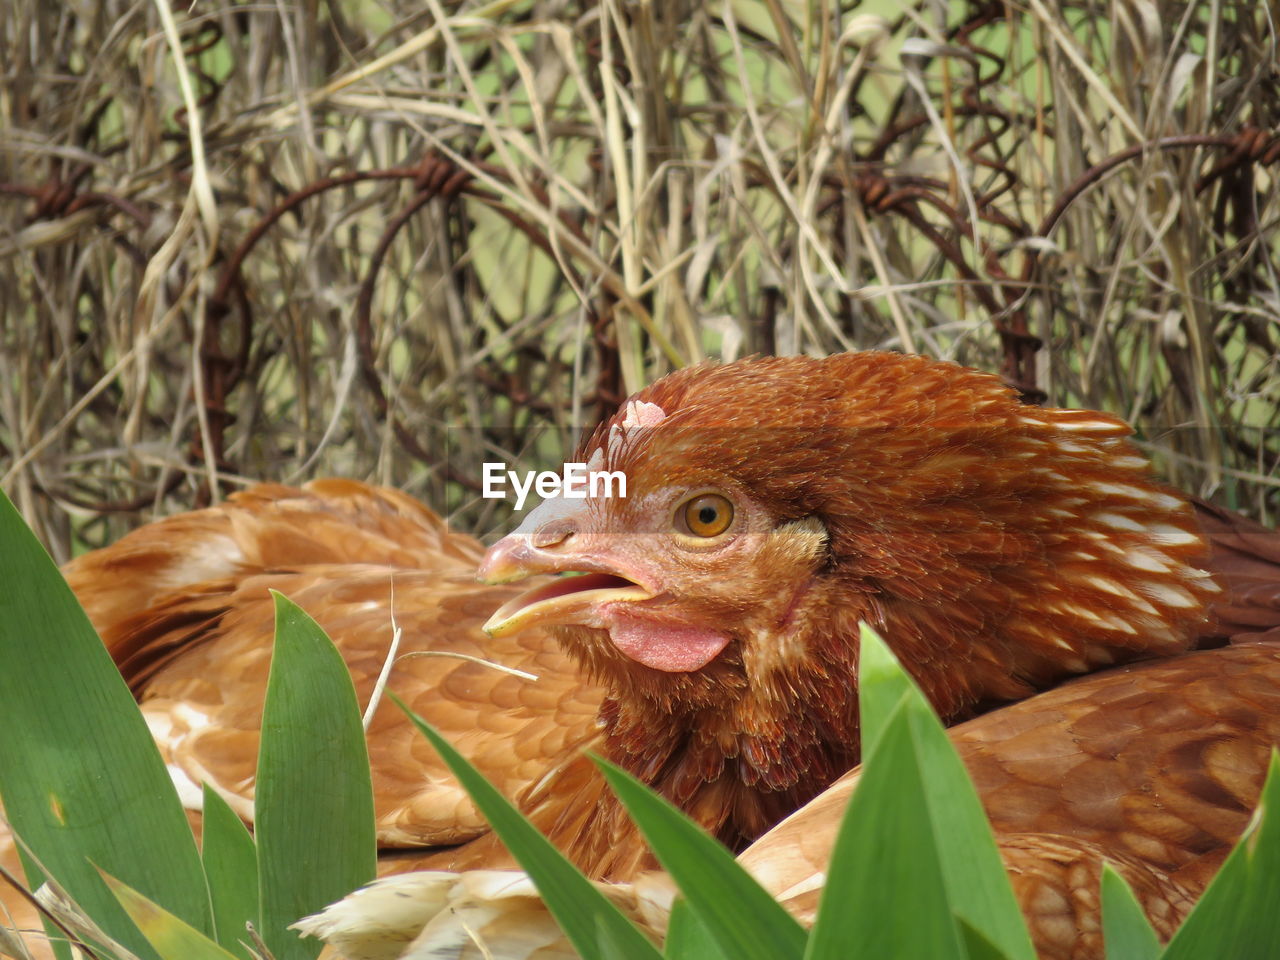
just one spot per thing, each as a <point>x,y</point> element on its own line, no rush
<point>1153,767</point>
<point>184,607</point>
<point>710,644</point>
<point>997,547</point>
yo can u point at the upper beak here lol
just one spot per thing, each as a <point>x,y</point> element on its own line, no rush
<point>554,538</point>
<point>511,559</point>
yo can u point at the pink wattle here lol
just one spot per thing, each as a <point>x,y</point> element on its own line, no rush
<point>670,647</point>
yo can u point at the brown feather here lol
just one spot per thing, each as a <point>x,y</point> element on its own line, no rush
<point>1245,557</point>
<point>999,548</point>
<point>353,556</point>
<point>1154,767</point>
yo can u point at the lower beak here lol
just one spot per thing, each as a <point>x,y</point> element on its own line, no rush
<point>570,599</point>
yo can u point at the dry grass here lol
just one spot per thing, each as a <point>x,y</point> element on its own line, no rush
<point>610,190</point>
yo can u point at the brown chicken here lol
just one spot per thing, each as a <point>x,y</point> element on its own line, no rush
<point>184,607</point>
<point>708,646</point>
<point>1154,768</point>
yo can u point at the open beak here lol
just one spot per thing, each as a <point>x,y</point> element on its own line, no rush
<point>551,541</point>
<point>566,600</point>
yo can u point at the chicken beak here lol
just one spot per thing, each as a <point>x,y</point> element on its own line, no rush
<point>511,559</point>
<point>565,600</point>
<point>552,539</point>
<point>538,545</point>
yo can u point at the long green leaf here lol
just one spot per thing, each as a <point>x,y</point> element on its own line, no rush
<point>607,942</point>
<point>882,687</point>
<point>742,918</point>
<point>81,779</point>
<point>231,866</point>
<point>172,939</point>
<point>595,927</point>
<point>977,945</point>
<point>1239,914</point>
<point>688,937</point>
<point>977,886</point>
<point>1126,932</point>
<point>313,806</point>
<point>885,851</point>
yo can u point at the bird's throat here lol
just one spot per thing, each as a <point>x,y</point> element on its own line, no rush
<point>741,766</point>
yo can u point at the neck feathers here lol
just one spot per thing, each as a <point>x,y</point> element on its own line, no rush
<point>1067,559</point>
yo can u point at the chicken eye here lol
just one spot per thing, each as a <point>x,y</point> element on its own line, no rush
<point>708,515</point>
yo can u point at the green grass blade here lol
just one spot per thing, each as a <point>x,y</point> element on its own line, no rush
<point>1239,914</point>
<point>882,686</point>
<point>688,937</point>
<point>886,853</point>
<point>1126,932</point>
<point>231,866</point>
<point>81,779</point>
<point>607,941</point>
<point>595,927</point>
<point>171,938</point>
<point>742,918</point>
<point>977,945</point>
<point>977,887</point>
<point>313,806</point>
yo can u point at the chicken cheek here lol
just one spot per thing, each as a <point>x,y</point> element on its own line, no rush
<point>663,645</point>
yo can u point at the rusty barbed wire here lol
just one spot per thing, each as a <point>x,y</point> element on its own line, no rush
<point>1000,270</point>
<point>1002,291</point>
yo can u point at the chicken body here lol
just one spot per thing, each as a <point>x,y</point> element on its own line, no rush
<point>710,646</point>
<point>1153,767</point>
<point>998,548</point>
<point>184,607</point>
